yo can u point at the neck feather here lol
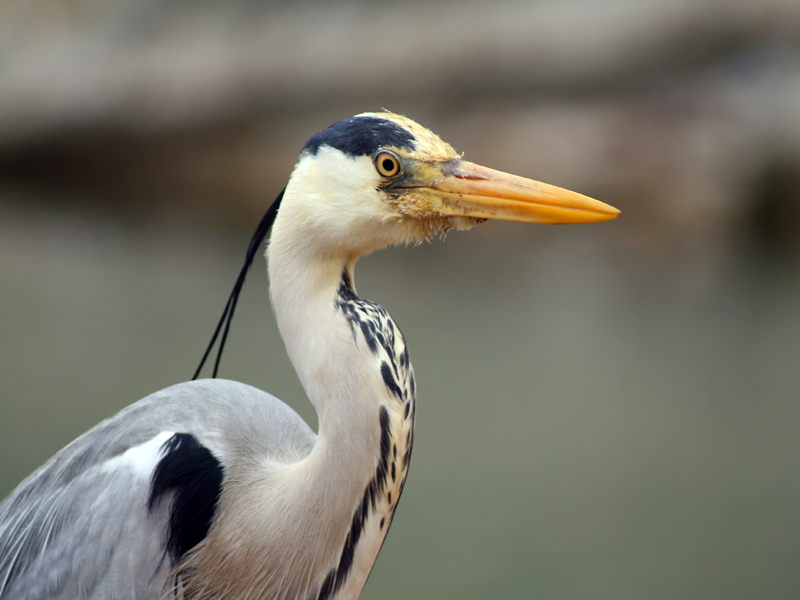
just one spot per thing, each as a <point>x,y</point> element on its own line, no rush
<point>352,361</point>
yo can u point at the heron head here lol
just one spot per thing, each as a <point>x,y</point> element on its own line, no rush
<point>381,178</point>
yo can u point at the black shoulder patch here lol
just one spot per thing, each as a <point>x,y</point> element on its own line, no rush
<point>195,476</point>
<point>361,136</point>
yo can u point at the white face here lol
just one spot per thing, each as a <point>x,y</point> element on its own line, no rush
<point>337,199</point>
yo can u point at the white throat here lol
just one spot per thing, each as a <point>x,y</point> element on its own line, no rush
<point>352,362</point>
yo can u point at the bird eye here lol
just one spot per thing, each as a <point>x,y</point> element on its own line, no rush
<point>387,163</point>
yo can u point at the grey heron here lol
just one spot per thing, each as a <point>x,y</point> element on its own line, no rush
<point>215,489</point>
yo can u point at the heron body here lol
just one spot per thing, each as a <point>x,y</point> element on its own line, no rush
<point>214,489</point>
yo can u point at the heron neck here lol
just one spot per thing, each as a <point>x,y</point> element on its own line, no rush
<point>352,362</point>
<point>339,379</point>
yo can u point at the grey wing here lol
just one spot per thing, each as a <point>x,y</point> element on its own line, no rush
<point>87,523</point>
<point>89,537</point>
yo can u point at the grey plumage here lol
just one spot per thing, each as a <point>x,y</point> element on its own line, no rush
<point>76,515</point>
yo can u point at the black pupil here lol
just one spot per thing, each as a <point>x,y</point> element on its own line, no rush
<point>388,165</point>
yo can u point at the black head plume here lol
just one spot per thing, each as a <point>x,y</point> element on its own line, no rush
<point>230,306</point>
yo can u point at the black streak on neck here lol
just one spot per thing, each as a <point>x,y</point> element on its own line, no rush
<point>378,330</point>
<point>377,485</point>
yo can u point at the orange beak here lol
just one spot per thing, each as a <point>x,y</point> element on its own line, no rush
<point>461,188</point>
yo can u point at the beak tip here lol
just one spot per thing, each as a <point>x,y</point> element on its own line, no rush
<point>604,212</point>
<point>612,214</point>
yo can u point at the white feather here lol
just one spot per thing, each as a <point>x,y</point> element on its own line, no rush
<point>140,460</point>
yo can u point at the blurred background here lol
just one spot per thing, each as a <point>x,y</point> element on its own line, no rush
<point>605,412</point>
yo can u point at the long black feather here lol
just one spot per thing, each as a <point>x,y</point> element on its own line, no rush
<point>227,314</point>
<point>194,475</point>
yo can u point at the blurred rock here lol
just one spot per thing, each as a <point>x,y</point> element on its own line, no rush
<point>669,109</point>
